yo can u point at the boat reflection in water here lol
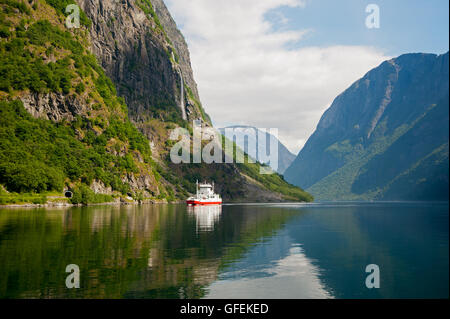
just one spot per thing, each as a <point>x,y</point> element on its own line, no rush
<point>206,216</point>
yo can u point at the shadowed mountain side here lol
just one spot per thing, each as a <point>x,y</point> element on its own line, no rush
<point>386,137</point>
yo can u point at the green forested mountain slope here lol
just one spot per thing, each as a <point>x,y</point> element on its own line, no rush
<point>80,131</point>
<point>385,138</point>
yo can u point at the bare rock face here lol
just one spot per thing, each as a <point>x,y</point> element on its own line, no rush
<point>137,55</point>
<point>144,183</point>
<point>53,106</point>
<point>100,188</point>
<point>179,43</point>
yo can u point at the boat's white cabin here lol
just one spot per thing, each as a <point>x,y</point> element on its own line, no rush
<point>206,190</point>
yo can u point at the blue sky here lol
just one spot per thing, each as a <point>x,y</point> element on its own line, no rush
<point>281,63</point>
<point>406,25</point>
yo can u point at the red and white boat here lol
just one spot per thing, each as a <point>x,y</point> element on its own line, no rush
<point>204,196</point>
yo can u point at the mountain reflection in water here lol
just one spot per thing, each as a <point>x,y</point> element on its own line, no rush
<point>234,251</point>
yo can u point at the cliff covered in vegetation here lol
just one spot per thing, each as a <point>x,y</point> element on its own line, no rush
<point>90,109</point>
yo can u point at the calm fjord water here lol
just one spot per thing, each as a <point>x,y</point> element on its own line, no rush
<point>234,251</point>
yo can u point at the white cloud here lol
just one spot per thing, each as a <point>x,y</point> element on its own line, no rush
<point>295,276</point>
<point>247,75</point>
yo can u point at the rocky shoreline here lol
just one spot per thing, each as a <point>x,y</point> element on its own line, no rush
<point>68,205</point>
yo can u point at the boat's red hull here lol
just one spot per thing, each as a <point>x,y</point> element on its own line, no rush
<point>194,202</point>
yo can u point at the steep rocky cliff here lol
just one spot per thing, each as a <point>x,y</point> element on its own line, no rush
<point>91,109</point>
<point>78,134</point>
<point>179,44</point>
<point>386,137</point>
<point>144,53</point>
